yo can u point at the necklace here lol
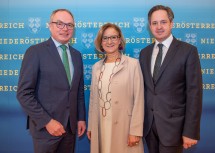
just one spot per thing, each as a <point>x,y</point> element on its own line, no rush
<point>106,105</point>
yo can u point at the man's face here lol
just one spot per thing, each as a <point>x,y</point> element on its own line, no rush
<point>160,25</point>
<point>62,35</point>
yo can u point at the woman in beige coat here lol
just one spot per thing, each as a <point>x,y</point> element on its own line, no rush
<point>116,110</point>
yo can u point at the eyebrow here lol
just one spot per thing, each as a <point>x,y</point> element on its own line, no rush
<point>159,20</point>
<point>64,22</point>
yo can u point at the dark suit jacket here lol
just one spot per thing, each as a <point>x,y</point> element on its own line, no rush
<point>175,99</point>
<point>44,92</point>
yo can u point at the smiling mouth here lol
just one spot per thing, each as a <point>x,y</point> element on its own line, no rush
<point>65,34</point>
<point>160,32</point>
<point>111,46</point>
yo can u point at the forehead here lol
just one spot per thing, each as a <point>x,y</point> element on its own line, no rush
<point>63,16</point>
<point>110,30</point>
<point>159,15</point>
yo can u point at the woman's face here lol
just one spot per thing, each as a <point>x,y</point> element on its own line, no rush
<point>110,41</point>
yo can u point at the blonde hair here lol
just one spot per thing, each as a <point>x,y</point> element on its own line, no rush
<point>101,31</point>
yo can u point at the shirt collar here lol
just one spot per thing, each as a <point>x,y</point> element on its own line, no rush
<point>166,42</point>
<point>57,44</point>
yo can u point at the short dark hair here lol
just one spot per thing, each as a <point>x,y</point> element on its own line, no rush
<point>58,10</point>
<point>161,7</point>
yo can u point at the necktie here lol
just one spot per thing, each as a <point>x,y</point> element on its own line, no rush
<point>158,62</point>
<point>66,62</point>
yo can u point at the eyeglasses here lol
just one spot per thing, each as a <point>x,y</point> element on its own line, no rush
<point>112,38</point>
<point>61,25</point>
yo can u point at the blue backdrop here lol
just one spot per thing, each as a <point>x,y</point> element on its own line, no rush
<point>24,23</point>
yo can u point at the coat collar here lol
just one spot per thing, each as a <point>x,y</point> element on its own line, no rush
<point>120,67</point>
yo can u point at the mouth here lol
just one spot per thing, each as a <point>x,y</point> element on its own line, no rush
<point>160,32</point>
<point>64,34</point>
<point>110,45</point>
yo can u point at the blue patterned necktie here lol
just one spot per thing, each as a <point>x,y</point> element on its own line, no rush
<point>158,62</point>
<point>66,62</point>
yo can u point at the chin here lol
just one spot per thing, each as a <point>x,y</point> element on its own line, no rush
<point>65,41</point>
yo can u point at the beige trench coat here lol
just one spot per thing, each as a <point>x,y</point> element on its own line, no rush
<point>127,102</point>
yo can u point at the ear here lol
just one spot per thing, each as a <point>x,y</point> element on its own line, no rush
<point>149,25</point>
<point>172,23</point>
<point>101,48</point>
<point>49,26</point>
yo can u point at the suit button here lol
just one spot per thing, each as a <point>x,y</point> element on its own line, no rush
<point>116,102</point>
<point>152,109</point>
<point>115,122</point>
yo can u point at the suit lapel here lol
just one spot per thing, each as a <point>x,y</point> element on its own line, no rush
<point>75,65</point>
<point>56,58</point>
<point>148,63</point>
<point>169,56</point>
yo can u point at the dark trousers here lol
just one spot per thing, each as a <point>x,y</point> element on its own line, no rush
<point>154,145</point>
<point>62,144</point>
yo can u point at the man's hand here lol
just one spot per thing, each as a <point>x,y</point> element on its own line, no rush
<point>188,142</point>
<point>81,128</point>
<point>55,128</point>
<point>89,135</point>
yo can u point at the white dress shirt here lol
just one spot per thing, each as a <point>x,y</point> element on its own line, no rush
<point>166,43</point>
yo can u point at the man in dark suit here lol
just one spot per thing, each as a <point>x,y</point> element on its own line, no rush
<point>51,88</point>
<point>173,87</point>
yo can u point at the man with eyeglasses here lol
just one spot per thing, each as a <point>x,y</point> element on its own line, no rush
<point>51,88</point>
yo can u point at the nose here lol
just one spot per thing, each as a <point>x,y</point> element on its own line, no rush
<point>159,25</point>
<point>109,40</point>
<point>65,27</point>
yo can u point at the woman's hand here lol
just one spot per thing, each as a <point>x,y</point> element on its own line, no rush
<point>133,140</point>
<point>89,135</point>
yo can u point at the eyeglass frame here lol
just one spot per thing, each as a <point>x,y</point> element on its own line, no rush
<point>106,38</point>
<point>69,26</point>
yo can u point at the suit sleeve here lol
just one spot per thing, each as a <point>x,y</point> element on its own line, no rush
<point>26,93</point>
<point>193,96</point>
<point>140,59</point>
<point>91,100</point>
<point>136,126</point>
<point>81,100</point>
